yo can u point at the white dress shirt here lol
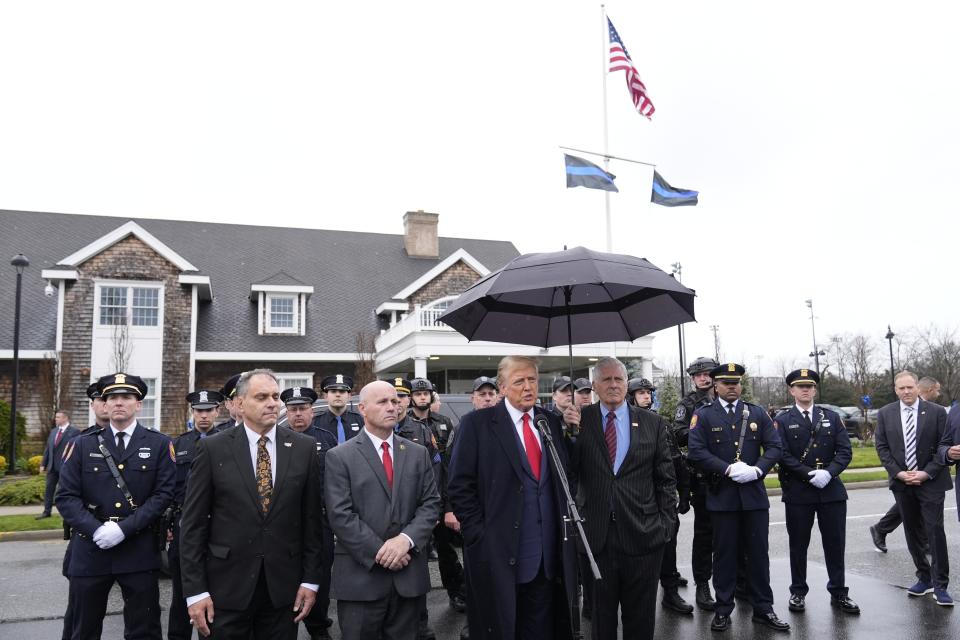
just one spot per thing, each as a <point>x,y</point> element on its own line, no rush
<point>127,438</point>
<point>517,416</point>
<point>252,439</point>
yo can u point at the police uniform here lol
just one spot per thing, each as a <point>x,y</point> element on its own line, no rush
<point>229,392</point>
<point>317,622</point>
<point>736,497</point>
<point>694,494</point>
<point>184,447</point>
<point>814,443</point>
<point>350,422</point>
<point>91,502</point>
<point>92,393</point>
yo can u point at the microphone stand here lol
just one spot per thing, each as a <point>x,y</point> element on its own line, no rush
<point>573,514</point>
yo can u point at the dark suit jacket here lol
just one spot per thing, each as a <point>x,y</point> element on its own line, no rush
<point>951,438</point>
<point>53,454</point>
<point>931,430</point>
<point>831,449</point>
<point>225,540</point>
<point>484,489</point>
<point>364,513</point>
<point>643,493</point>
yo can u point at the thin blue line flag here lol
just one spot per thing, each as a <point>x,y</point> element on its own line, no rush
<point>664,194</point>
<point>581,173</point>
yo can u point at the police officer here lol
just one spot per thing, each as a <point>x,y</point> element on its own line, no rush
<point>563,406</point>
<point>101,420</point>
<point>415,426</point>
<point>204,406</point>
<point>338,419</point>
<point>584,392</point>
<point>816,449</point>
<point>229,393</point>
<point>640,394</point>
<point>696,490</point>
<point>402,387</point>
<point>115,484</point>
<point>735,444</point>
<point>299,403</point>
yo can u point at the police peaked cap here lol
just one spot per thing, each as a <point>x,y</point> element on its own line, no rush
<point>729,371</point>
<point>337,381</point>
<point>229,389</point>
<point>803,376</point>
<point>204,399</point>
<point>298,395</point>
<point>92,391</point>
<point>118,383</point>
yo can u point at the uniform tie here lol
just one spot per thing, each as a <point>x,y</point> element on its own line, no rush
<point>387,464</point>
<point>532,446</point>
<point>806,417</point>
<point>341,434</point>
<point>610,436</point>
<point>730,411</point>
<point>264,477</point>
<point>910,433</point>
<point>120,446</point>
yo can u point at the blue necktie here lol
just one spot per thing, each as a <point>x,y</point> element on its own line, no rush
<point>341,435</point>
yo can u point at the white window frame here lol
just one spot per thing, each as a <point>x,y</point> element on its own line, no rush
<point>155,418</point>
<point>129,285</point>
<point>299,313</point>
<point>286,377</point>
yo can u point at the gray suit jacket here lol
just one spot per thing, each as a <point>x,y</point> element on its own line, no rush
<point>363,514</point>
<point>931,429</point>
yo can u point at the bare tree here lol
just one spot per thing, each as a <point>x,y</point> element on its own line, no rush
<point>121,347</point>
<point>55,377</point>
<point>363,373</point>
<point>938,355</point>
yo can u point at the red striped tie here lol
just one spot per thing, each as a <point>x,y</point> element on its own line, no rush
<point>532,446</point>
<point>610,435</point>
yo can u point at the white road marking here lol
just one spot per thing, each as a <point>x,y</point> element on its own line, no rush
<point>868,515</point>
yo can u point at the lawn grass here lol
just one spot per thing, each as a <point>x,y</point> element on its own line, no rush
<point>864,457</point>
<point>29,522</point>
<point>772,482</point>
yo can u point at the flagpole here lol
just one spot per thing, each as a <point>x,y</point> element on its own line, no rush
<point>606,151</point>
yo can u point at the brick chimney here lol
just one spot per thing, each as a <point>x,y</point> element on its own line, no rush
<point>420,234</point>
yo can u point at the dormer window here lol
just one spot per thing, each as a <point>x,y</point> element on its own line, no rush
<point>281,308</point>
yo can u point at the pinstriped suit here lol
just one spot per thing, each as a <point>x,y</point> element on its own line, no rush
<point>629,516</point>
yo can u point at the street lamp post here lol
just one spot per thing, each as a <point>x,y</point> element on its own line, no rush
<point>20,263</point>
<point>816,353</point>
<point>889,338</point>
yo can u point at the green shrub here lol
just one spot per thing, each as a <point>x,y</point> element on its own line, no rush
<point>5,430</point>
<point>21,492</point>
<point>33,465</point>
<point>3,465</point>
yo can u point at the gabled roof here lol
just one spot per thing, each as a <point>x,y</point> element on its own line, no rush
<point>350,272</point>
<point>443,265</point>
<point>131,228</point>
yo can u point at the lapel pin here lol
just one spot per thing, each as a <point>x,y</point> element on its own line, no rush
<point>288,444</point>
<point>402,447</point>
<point>635,424</point>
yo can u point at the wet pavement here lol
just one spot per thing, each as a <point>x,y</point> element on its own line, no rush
<point>33,593</point>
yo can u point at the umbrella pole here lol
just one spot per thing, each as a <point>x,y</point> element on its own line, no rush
<point>566,304</point>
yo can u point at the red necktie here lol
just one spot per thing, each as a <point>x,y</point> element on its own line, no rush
<point>610,435</point>
<point>59,435</point>
<point>387,464</point>
<point>532,446</point>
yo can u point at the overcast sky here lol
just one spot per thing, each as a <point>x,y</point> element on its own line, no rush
<point>822,137</point>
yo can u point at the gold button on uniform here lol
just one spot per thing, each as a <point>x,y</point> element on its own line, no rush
<point>117,505</point>
<point>96,468</point>
<point>120,466</point>
<point>144,467</point>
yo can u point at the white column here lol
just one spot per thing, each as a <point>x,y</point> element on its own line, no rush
<point>646,368</point>
<point>420,366</point>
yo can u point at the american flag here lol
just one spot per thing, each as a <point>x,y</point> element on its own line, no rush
<point>620,61</point>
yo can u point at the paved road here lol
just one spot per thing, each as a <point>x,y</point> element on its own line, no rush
<point>32,591</point>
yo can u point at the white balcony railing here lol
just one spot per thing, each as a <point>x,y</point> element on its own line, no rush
<point>415,321</point>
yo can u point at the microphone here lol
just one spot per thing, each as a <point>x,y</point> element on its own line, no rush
<point>543,426</point>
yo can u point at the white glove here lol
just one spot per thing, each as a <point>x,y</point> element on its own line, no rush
<point>746,474</point>
<point>736,468</point>
<point>820,478</point>
<point>108,535</point>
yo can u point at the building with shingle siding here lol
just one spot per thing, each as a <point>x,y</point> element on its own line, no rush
<point>188,304</point>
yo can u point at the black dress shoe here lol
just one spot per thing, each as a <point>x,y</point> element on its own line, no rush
<point>771,620</point>
<point>42,516</point>
<point>796,603</point>
<point>879,540</point>
<point>845,604</point>
<point>673,601</point>
<point>458,603</point>
<point>704,598</point>
<point>720,622</point>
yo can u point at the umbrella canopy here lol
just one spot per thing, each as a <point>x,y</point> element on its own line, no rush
<point>576,296</point>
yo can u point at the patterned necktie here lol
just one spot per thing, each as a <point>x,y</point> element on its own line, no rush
<point>387,464</point>
<point>120,446</point>
<point>264,477</point>
<point>610,436</point>
<point>910,435</point>
<point>341,434</point>
<point>532,446</point>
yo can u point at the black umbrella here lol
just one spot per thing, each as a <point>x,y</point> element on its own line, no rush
<point>576,296</point>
